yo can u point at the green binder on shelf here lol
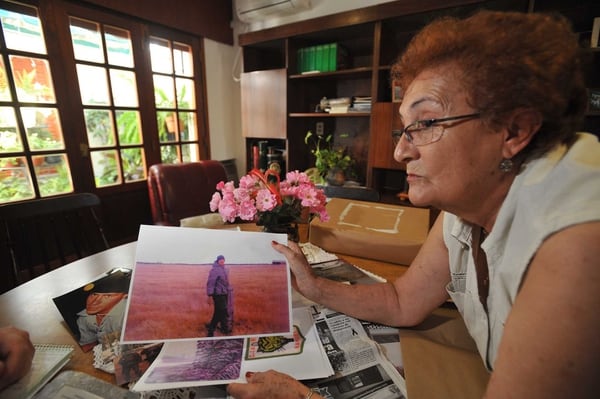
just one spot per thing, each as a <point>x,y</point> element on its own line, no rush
<point>300,60</point>
<point>325,60</point>
<point>311,59</point>
<point>322,58</point>
<point>319,58</point>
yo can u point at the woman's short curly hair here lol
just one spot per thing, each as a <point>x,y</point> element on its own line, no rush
<point>508,60</point>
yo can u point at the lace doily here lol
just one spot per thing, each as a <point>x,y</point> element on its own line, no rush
<point>103,360</point>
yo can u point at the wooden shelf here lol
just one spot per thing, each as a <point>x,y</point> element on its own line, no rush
<point>328,115</point>
<point>373,37</point>
<point>359,72</point>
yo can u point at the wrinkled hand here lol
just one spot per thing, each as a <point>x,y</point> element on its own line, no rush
<point>303,277</point>
<point>16,354</point>
<point>269,385</point>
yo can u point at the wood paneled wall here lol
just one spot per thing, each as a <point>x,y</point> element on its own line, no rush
<point>206,18</point>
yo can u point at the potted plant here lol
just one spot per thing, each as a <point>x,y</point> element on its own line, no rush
<point>331,163</point>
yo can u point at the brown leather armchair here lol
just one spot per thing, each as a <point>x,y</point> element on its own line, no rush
<point>182,190</point>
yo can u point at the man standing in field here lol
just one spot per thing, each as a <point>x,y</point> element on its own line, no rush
<point>218,288</point>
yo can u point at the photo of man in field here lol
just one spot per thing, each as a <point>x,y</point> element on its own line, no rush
<point>221,293</point>
<point>182,288</point>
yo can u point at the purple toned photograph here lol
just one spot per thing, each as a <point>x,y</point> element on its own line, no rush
<point>216,360</point>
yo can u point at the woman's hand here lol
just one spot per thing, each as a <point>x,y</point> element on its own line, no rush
<point>303,277</point>
<point>270,385</point>
<point>16,354</point>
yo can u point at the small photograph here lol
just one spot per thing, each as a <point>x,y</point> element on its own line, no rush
<point>97,308</point>
<point>130,365</point>
<point>211,361</point>
<point>275,346</point>
<point>396,92</point>
<point>593,107</point>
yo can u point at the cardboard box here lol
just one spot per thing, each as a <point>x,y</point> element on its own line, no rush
<point>389,233</point>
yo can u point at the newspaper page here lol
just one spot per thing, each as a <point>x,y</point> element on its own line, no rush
<point>366,356</point>
<point>361,367</point>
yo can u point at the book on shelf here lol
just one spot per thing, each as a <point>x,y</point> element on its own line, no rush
<point>322,58</point>
<point>47,361</point>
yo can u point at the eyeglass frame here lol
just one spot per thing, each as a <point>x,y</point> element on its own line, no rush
<point>427,123</point>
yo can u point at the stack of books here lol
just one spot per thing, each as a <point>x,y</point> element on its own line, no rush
<point>361,104</point>
<point>322,58</point>
<point>337,105</point>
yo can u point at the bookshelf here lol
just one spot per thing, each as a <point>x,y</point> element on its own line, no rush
<point>374,37</point>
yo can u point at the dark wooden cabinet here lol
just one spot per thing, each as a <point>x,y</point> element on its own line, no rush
<point>374,37</point>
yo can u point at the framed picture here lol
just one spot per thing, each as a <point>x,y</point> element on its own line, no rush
<point>595,33</point>
<point>593,107</point>
<point>396,92</point>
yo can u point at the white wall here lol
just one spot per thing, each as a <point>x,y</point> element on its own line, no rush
<point>223,71</point>
<point>223,100</point>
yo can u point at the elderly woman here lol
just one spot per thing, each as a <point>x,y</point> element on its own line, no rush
<point>490,108</point>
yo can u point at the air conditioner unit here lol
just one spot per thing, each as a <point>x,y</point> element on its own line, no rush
<point>257,10</point>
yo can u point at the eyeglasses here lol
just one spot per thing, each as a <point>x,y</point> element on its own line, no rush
<point>426,131</point>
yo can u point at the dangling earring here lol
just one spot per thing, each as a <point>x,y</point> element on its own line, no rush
<point>506,165</point>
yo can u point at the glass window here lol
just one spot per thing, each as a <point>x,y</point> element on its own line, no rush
<point>109,96</point>
<point>174,97</point>
<point>33,161</point>
<point>22,29</point>
<point>118,47</point>
<point>114,127</point>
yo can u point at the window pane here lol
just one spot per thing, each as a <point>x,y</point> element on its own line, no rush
<point>15,180</point>
<point>188,130</point>
<point>182,57</point>
<point>185,93</point>
<point>4,88</point>
<point>106,168</point>
<point>99,127</point>
<point>167,128</point>
<point>93,85</point>
<point>23,30</point>
<point>33,79</point>
<point>164,91</point>
<point>160,56</point>
<point>128,126</point>
<point>134,166</point>
<point>42,128</point>
<point>10,139</point>
<point>190,152</point>
<point>168,154</point>
<point>53,174</point>
<point>124,88</point>
<point>118,46</point>
<point>87,41</point>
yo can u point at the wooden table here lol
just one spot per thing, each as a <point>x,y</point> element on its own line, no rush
<point>30,306</point>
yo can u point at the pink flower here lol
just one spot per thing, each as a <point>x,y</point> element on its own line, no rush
<point>265,200</point>
<point>256,196</point>
<point>247,210</point>
<point>228,211</point>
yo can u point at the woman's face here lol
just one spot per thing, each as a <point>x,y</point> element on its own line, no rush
<point>460,170</point>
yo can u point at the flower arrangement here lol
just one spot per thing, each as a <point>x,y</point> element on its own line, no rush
<point>269,202</point>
